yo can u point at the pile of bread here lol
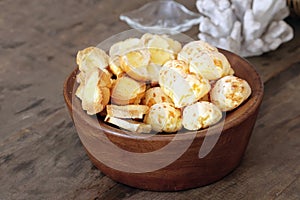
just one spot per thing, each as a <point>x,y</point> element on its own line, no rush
<point>152,83</point>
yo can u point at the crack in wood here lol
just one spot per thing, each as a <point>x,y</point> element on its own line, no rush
<point>295,127</point>
<point>24,166</point>
<point>278,194</point>
<point>118,191</point>
<point>31,106</point>
<point>12,45</point>
<point>48,111</point>
<point>63,29</point>
<point>6,158</point>
<point>20,87</point>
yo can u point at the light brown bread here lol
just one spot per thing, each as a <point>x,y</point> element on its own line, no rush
<point>182,87</point>
<point>94,92</point>
<point>164,117</point>
<point>127,111</point>
<point>200,115</point>
<point>126,90</point>
<point>90,58</point>
<point>130,125</point>
<point>155,95</point>
<point>205,60</point>
<point>135,63</point>
<point>161,48</point>
<point>95,95</point>
<point>119,49</point>
<point>229,92</point>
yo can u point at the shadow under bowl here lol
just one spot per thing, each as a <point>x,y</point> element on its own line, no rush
<point>169,162</point>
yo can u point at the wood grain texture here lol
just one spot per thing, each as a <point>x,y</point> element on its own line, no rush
<point>41,156</point>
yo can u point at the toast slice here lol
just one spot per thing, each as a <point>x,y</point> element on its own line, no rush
<point>129,125</point>
<point>127,111</point>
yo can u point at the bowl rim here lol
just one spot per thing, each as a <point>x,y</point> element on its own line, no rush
<point>253,103</point>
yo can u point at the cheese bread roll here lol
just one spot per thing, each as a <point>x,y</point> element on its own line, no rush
<point>182,87</point>
<point>205,60</point>
<point>211,65</point>
<point>229,92</point>
<point>155,95</point>
<point>164,117</point>
<point>200,115</point>
<point>192,49</point>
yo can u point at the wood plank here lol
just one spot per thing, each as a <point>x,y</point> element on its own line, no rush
<point>47,160</point>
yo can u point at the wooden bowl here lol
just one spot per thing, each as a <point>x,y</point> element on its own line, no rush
<point>169,162</point>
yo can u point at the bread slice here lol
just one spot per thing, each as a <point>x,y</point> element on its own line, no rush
<point>95,91</point>
<point>130,125</point>
<point>205,60</point>
<point>210,65</point>
<point>161,42</point>
<point>161,48</point>
<point>91,58</point>
<point>127,111</point>
<point>122,47</point>
<point>135,63</point>
<point>126,91</point>
<point>192,49</point>
<point>114,66</point>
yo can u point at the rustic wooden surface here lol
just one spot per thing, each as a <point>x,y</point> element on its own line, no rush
<point>41,156</point>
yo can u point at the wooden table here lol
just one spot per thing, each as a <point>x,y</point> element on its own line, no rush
<point>41,156</point>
